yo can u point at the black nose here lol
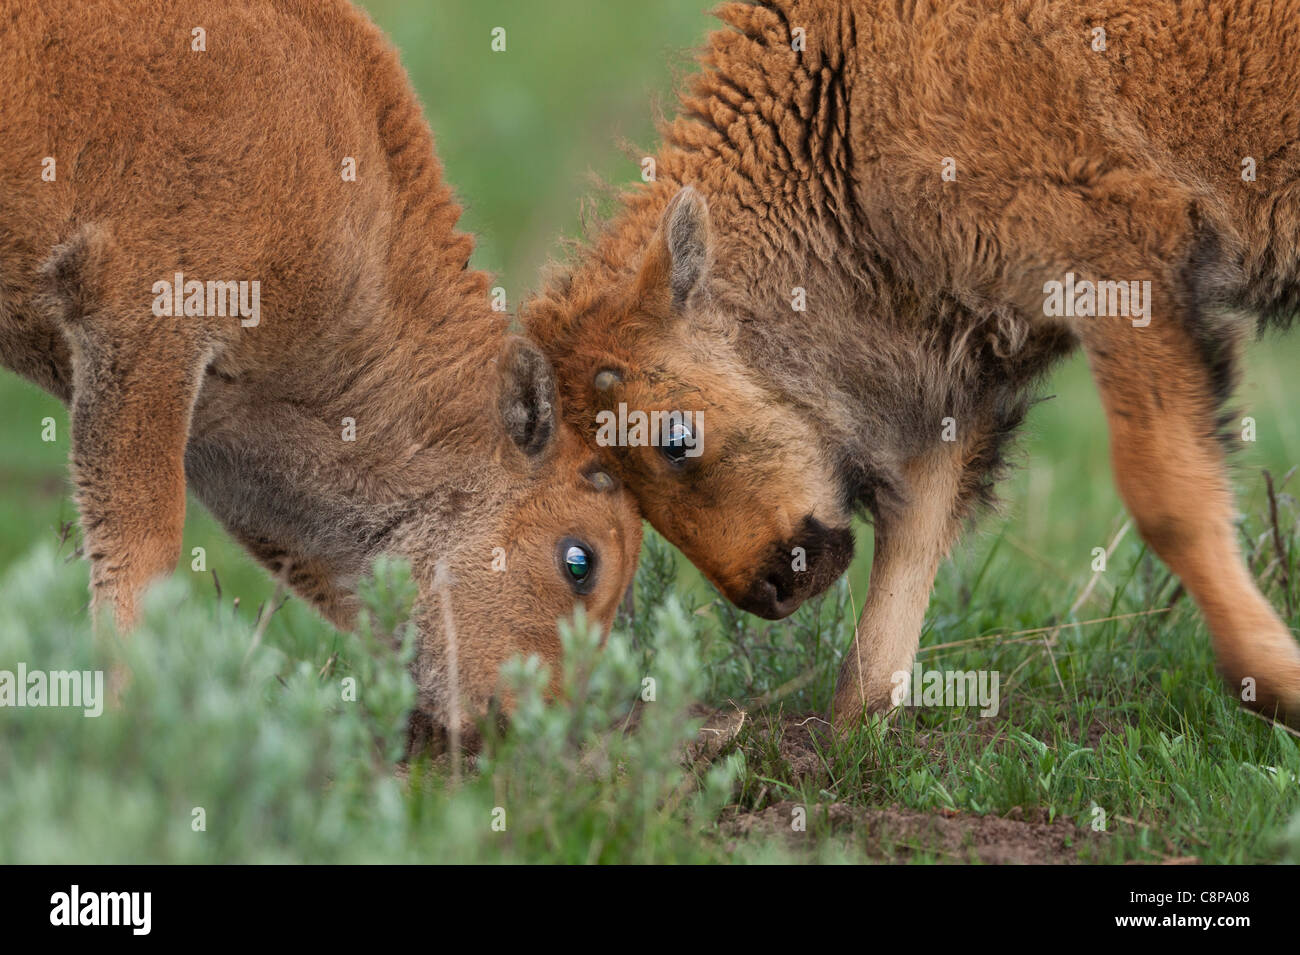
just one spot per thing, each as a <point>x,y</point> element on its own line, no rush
<point>770,598</point>
<point>788,578</point>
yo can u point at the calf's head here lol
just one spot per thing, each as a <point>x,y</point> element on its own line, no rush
<point>540,530</point>
<point>719,458</point>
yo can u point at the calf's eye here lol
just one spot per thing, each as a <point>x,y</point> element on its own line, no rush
<point>676,441</point>
<point>577,564</point>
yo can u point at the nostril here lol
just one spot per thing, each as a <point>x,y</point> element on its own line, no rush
<point>780,587</point>
<point>768,597</point>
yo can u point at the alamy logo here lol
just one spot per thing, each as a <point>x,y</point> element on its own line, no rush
<point>74,688</point>
<point>922,687</point>
<point>1070,299</point>
<point>218,299</point>
<point>679,431</point>
<point>103,908</point>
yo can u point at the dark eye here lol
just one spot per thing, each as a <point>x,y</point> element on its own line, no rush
<point>575,559</point>
<point>577,564</point>
<point>678,437</point>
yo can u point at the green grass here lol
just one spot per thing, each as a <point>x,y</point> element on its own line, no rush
<point>1124,715</point>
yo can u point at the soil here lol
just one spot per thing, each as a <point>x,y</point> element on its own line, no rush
<point>896,835</point>
<point>891,834</point>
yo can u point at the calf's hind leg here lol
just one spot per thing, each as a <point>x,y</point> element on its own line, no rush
<point>1159,392</point>
<point>134,381</point>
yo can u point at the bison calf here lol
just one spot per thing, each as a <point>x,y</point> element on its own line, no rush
<point>225,243</point>
<point>875,226</point>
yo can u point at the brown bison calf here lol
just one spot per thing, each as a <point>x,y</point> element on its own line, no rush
<point>226,244</point>
<point>875,225</point>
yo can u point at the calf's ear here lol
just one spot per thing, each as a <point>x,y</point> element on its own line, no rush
<point>677,261</point>
<point>527,399</point>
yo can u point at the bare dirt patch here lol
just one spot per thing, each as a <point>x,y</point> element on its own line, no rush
<point>893,834</point>
<point>897,835</point>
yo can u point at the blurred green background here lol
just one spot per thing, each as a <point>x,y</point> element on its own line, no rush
<point>521,133</point>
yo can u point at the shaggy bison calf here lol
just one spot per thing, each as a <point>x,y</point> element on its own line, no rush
<point>875,225</point>
<point>225,242</point>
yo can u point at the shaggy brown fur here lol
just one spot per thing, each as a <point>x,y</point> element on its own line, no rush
<point>227,165</point>
<point>822,168</point>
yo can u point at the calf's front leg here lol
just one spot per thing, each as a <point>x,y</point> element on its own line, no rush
<point>911,539</point>
<point>135,380</point>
